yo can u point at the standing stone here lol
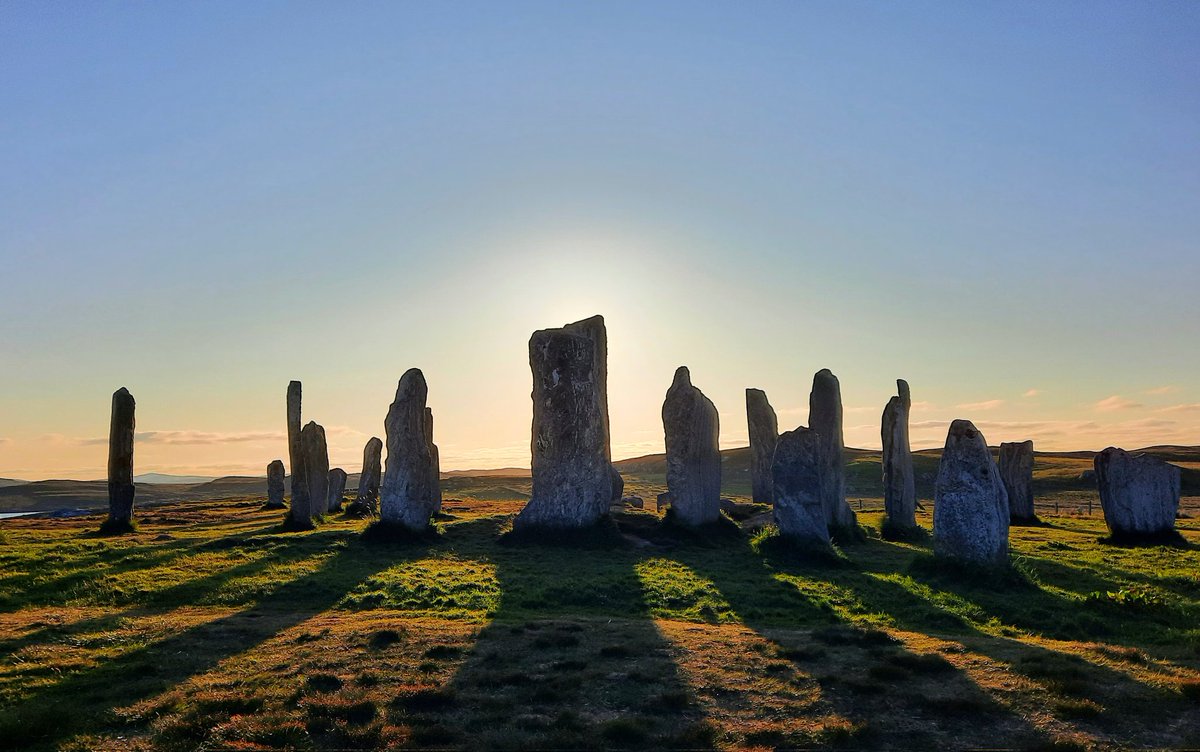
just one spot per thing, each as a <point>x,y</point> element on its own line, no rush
<point>825,417</point>
<point>692,431</point>
<point>899,479</point>
<point>120,461</point>
<point>764,435</point>
<point>1016,470</point>
<point>368,480</point>
<point>797,471</point>
<point>406,497</point>
<point>316,463</point>
<point>572,474</point>
<point>275,478</point>
<point>1139,495</point>
<point>593,328</point>
<point>661,502</point>
<point>301,513</point>
<point>435,465</point>
<point>337,489</point>
<point>970,512</point>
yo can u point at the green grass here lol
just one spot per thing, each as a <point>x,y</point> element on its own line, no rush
<point>210,625</point>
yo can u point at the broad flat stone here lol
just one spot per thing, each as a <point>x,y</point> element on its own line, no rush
<point>970,513</point>
<point>764,435</point>
<point>316,463</point>
<point>1139,493</point>
<point>275,484</point>
<point>120,458</point>
<point>899,479</point>
<point>825,417</point>
<point>406,496</point>
<point>692,433</point>
<point>798,467</point>
<point>1016,471</point>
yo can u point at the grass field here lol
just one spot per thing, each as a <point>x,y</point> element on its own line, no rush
<point>212,628</point>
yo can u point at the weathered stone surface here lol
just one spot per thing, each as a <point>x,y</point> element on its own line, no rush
<point>406,497</point>
<point>435,465</point>
<point>633,501</point>
<point>662,501</point>
<point>970,513</point>
<point>1139,494</point>
<point>316,463</point>
<point>120,459</point>
<point>1016,471</point>
<point>764,434</point>
<point>825,417</point>
<point>337,489</point>
<point>301,510</point>
<point>692,431</point>
<point>798,469</point>
<point>275,484</point>
<point>593,328</point>
<point>572,474</point>
<point>899,480</point>
<point>368,480</point>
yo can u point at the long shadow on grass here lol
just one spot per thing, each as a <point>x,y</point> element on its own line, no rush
<point>83,702</point>
<point>570,660</point>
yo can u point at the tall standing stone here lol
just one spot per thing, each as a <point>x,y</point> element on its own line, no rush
<point>406,497</point>
<point>368,480</point>
<point>764,435</point>
<point>825,417</point>
<point>316,464</point>
<point>337,489</point>
<point>301,513</point>
<point>1139,494</point>
<point>692,432</point>
<point>593,328</point>
<point>572,473</point>
<point>435,465</point>
<point>275,484</point>
<point>797,468</point>
<point>1016,470</point>
<point>899,479</point>
<point>120,461</point>
<point>970,512</point>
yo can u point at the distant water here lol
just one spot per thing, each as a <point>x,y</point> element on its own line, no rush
<point>6,515</point>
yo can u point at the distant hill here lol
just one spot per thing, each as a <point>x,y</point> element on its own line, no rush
<point>165,479</point>
<point>5,482</point>
<point>498,472</point>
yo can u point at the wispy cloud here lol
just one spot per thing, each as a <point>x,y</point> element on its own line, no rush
<point>196,437</point>
<point>4,440</point>
<point>1116,402</point>
<point>1192,407</point>
<point>1163,389</point>
<point>985,405</point>
<point>1031,393</point>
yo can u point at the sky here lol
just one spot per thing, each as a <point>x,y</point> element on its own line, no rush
<point>997,201</point>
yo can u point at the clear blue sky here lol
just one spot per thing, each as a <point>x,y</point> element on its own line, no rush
<point>202,201</point>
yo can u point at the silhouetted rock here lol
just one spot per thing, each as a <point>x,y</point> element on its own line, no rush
<point>618,483</point>
<point>1016,471</point>
<point>825,417</point>
<point>368,481</point>
<point>406,497</point>
<point>633,501</point>
<point>662,501</point>
<point>691,429</point>
<point>1139,495</point>
<point>572,474</point>
<point>337,489</point>
<point>302,509</point>
<point>316,464</point>
<point>435,466</point>
<point>970,512</point>
<point>275,484</point>
<point>899,480</point>
<point>764,434</point>
<point>797,469</point>
<point>120,461</point>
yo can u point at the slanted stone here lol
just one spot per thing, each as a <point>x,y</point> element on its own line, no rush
<point>661,502</point>
<point>120,461</point>
<point>798,469</point>
<point>275,484</point>
<point>764,434</point>
<point>368,481</point>
<point>692,431</point>
<point>435,465</point>
<point>406,497</point>
<point>316,462</point>
<point>1139,494</point>
<point>899,479</point>
<point>572,473</point>
<point>337,489</point>
<point>1016,471</point>
<point>825,417</point>
<point>302,511</point>
<point>970,512</point>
